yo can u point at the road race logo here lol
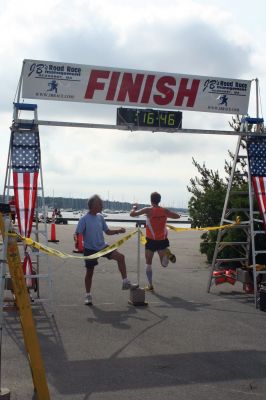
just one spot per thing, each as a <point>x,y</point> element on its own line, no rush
<point>57,79</point>
<point>56,71</point>
<point>223,89</point>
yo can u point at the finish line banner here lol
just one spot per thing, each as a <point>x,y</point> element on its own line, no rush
<point>48,80</point>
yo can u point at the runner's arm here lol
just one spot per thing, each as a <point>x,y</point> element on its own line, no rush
<point>171,214</point>
<point>135,212</point>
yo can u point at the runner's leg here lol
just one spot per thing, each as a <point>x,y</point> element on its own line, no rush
<point>120,259</point>
<point>149,256</point>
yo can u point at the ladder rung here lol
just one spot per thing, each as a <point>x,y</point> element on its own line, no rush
<point>239,226</point>
<point>242,223</point>
<point>19,187</point>
<point>240,192</point>
<point>26,125</point>
<point>232,243</point>
<point>25,106</point>
<point>259,232</point>
<point>229,221</point>
<point>260,252</point>
<point>231,259</point>
<point>253,120</point>
<point>237,209</point>
<point>16,128</point>
<point>241,156</point>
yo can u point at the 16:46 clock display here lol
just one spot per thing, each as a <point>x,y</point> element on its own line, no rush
<point>149,118</point>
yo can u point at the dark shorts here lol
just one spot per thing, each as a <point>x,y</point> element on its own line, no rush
<point>155,245</point>
<point>94,261</point>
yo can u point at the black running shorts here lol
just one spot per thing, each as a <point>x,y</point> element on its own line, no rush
<point>155,245</point>
<point>94,261</point>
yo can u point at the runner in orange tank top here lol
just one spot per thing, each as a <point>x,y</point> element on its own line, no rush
<point>156,233</point>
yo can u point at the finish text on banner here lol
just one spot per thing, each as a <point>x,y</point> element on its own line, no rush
<point>48,80</point>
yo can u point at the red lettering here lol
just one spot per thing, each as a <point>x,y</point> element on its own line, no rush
<point>130,87</point>
<point>93,83</point>
<point>167,92</point>
<point>147,89</point>
<point>183,92</point>
<point>113,86</point>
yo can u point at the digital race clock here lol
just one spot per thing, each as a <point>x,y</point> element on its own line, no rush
<point>149,118</point>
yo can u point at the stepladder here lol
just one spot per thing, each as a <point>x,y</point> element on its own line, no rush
<point>239,254</point>
<point>24,191</point>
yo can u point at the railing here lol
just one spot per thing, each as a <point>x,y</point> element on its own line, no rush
<point>138,222</point>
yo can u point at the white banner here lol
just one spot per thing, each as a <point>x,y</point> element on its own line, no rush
<point>48,80</point>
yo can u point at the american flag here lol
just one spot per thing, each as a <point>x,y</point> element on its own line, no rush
<point>25,159</point>
<point>257,163</point>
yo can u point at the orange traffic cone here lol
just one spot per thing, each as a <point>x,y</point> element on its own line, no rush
<point>79,244</point>
<point>53,234</point>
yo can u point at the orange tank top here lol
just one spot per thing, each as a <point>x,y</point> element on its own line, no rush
<point>156,224</point>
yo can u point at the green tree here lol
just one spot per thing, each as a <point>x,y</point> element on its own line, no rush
<point>206,204</point>
<point>208,192</point>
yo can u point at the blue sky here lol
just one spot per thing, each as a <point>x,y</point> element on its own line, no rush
<point>224,39</point>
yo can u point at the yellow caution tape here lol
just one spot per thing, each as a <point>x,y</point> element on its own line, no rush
<point>142,238</point>
<point>31,341</point>
<point>208,228</point>
<point>53,252</point>
<point>260,267</point>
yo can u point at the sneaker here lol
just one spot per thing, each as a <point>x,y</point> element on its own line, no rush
<point>171,257</point>
<point>149,288</point>
<point>88,300</point>
<point>128,285</point>
<point>165,261</point>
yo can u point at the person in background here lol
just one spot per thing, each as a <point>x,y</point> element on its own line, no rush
<point>93,226</point>
<point>156,234</point>
<point>12,204</point>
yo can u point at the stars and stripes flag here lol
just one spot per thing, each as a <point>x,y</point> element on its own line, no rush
<point>257,163</point>
<point>25,159</point>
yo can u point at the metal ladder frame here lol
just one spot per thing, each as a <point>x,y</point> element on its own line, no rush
<point>247,226</point>
<point>40,234</point>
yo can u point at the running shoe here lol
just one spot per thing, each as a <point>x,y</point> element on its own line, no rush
<point>88,300</point>
<point>171,257</point>
<point>128,285</point>
<point>149,288</point>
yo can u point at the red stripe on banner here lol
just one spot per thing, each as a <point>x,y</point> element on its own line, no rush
<point>15,182</point>
<point>259,185</point>
<point>26,185</point>
<point>33,201</point>
<point>262,194</point>
<point>25,191</point>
